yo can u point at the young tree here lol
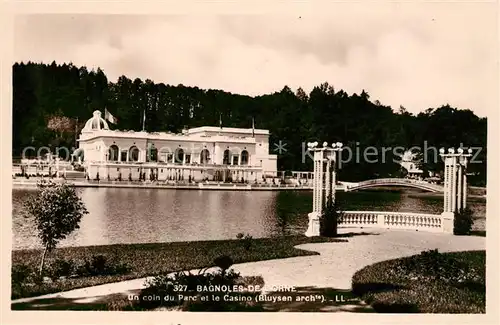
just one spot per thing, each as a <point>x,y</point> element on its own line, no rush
<point>57,210</point>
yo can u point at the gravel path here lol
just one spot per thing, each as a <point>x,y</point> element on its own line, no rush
<point>338,262</point>
<point>333,268</point>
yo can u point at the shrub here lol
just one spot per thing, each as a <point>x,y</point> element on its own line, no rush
<point>246,240</point>
<point>60,268</point>
<point>168,286</point>
<point>332,216</point>
<point>223,262</point>
<point>121,268</point>
<point>20,276</point>
<point>98,265</point>
<point>462,223</point>
<point>187,284</point>
<point>83,269</point>
<point>431,266</point>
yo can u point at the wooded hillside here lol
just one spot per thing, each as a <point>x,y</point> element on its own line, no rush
<point>47,100</point>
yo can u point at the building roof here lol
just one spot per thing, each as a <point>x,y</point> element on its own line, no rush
<point>96,122</point>
<point>248,131</point>
<point>96,126</point>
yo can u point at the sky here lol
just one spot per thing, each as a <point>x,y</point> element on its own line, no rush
<point>417,56</point>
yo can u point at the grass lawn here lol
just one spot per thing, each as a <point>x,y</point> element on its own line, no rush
<point>437,283</point>
<point>156,258</point>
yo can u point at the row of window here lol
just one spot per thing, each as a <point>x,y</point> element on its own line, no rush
<point>178,171</point>
<point>114,154</point>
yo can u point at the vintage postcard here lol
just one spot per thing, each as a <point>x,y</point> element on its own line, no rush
<point>321,161</point>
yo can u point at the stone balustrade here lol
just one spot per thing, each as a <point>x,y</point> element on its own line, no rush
<point>392,220</point>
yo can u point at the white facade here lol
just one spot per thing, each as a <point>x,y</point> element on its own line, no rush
<point>409,162</point>
<point>201,153</point>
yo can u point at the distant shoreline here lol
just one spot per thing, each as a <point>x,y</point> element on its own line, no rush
<point>32,183</point>
<point>440,195</point>
<point>26,184</point>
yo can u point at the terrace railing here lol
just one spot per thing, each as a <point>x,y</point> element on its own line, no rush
<point>392,220</point>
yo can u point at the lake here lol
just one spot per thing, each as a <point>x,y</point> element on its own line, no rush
<point>122,215</point>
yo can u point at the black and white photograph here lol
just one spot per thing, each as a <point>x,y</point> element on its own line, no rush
<point>327,161</point>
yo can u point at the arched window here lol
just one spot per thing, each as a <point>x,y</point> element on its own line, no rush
<point>244,157</point>
<point>179,155</point>
<point>165,155</point>
<point>133,154</point>
<point>226,160</point>
<point>205,156</point>
<point>153,154</point>
<point>113,153</point>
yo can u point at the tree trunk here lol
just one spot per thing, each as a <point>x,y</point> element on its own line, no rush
<point>43,261</point>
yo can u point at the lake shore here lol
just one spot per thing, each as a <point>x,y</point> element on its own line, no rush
<point>32,183</point>
<point>474,197</point>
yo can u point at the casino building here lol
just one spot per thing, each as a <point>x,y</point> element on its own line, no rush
<point>202,153</point>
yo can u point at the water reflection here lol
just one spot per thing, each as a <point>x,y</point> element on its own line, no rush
<point>154,215</point>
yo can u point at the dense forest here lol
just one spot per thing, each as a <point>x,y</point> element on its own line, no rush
<point>52,102</point>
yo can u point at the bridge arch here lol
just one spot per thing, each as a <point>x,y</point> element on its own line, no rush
<point>402,182</point>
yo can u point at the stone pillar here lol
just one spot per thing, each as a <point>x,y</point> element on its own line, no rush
<point>314,217</point>
<point>323,157</point>
<point>448,209</point>
<point>455,185</point>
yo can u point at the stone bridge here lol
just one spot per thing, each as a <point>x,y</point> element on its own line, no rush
<point>381,182</point>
